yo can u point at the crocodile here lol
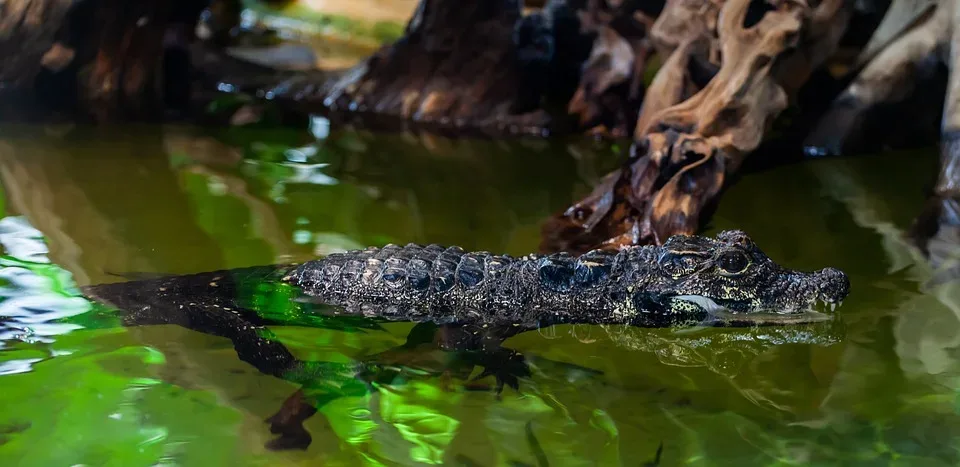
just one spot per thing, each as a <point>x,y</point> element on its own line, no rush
<point>469,310</point>
<point>689,279</point>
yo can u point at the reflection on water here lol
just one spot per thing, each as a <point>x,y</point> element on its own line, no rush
<point>100,206</point>
<point>34,295</point>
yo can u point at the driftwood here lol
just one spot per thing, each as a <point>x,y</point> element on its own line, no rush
<point>904,53</point>
<point>686,148</point>
<point>727,70</point>
<point>610,89</point>
<point>917,40</point>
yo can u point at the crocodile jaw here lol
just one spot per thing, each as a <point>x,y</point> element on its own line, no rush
<point>705,303</point>
<point>814,312</point>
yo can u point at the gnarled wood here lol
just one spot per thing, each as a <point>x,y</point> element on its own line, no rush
<point>889,78</point>
<point>606,95</point>
<point>611,84</point>
<point>913,41</point>
<point>685,152</point>
<point>949,180</point>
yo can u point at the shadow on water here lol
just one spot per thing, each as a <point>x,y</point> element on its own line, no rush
<point>200,367</point>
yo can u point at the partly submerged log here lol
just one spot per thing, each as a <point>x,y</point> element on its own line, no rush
<point>474,64</point>
<point>686,147</point>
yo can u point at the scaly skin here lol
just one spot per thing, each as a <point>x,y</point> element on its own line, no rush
<point>688,280</point>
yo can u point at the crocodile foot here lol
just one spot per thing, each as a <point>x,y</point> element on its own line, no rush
<point>505,365</point>
<point>288,423</point>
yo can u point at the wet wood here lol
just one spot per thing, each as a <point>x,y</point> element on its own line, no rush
<point>477,64</point>
<point>889,79</point>
<point>727,70</point>
<point>103,59</point>
<point>611,88</point>
<point>948,183</point>
<point>916,42</point>
<point>685,151</point>
<point>26,36</point>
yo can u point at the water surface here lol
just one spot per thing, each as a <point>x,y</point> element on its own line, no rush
<point>87,206</point>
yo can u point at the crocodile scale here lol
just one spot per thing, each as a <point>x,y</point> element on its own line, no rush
<point>686,280</point>
<point>451,284</point>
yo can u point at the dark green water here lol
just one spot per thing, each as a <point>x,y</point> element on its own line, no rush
<point>81,205</point>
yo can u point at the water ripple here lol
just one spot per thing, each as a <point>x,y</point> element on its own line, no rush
<point>32,298</point>
<point>22,241</point>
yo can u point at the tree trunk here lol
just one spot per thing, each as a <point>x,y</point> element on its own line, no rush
<point>100,59</point>
<point>468,64</point>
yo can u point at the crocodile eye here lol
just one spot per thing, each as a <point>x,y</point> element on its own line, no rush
<point>733,262</point>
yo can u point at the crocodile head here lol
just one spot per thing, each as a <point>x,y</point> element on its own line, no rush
<point>729,275</point>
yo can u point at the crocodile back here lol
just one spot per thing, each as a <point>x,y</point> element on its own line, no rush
<point>410,279</point>
<point>450,284</point>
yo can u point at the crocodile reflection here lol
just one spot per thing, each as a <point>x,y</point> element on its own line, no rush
<point>239,304</point>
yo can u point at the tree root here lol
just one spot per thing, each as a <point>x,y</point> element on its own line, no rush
<point>685,151</point>
<point>611,84</point>
<point>916,39</point>
<point>889,77</point>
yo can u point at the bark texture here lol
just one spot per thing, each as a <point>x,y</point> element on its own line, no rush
<point>102,59</point>
<point>465,64</point>
<point>732,69</point>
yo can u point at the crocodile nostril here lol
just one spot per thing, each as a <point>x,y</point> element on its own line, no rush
<point>834,284</point>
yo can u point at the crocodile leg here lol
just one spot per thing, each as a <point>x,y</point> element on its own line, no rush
<point>206,303</point>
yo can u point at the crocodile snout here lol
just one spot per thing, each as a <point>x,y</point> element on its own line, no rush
<point>834,285</point>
